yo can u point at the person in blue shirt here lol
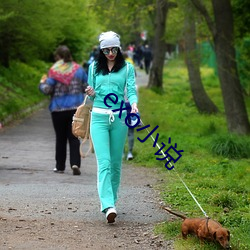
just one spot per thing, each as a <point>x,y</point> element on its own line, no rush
<point>110,74</point>
<point>65,83</point>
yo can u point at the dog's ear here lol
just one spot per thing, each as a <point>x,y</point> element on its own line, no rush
<point>214,235</point>
<point>228,237</point>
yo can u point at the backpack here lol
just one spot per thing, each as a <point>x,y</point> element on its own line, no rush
<point>81,126</point>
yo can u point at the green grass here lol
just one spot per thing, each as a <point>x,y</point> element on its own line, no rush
<point>215,165</point>
<point>19,87</point>
<point>231,146</point>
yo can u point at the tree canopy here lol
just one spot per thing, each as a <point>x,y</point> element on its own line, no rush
<point>32,30</point>
<point>28,33</point>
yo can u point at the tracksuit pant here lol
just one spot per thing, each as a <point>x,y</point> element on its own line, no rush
<point>108,139</point>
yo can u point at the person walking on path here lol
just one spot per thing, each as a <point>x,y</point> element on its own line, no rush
<point>147,54</point>
<point>65,84</point>
<point>131,137</point>
<point>110,74</point>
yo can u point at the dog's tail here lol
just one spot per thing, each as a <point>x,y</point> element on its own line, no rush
<point>175,213</point>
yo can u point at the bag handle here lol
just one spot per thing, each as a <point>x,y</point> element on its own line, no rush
<point>91,148</point>
<point>85,139</point>
<point>85,99</point>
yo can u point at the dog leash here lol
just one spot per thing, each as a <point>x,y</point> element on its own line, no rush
<point>198,204</point>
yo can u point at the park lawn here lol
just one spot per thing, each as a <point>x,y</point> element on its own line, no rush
<point>220,183</point>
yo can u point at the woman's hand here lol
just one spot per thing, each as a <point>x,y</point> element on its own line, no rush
<point>90,91</point>
<point>134,108</point>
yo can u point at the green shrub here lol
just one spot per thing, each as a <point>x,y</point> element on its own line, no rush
<point>223,200</point>
<point>19,87</point>
<point>231,146</point>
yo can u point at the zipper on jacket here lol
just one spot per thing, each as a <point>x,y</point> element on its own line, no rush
<point>109,81</point>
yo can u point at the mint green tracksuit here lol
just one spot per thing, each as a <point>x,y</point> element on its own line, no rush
<point>109,135</point>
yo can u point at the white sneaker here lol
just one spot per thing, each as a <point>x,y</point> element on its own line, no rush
<point>111,214</point>
<point>58,171</point>
<point>130,156</point>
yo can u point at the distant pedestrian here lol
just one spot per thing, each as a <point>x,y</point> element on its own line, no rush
<point>65,84</point>
<point>110,74</point>
<point>131,137</point>
<point>147,54</point>
<point>93,55</point>
<point>138,56</point>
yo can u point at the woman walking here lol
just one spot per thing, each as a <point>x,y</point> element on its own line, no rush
<point>110,74</point>
<point>65,84</point>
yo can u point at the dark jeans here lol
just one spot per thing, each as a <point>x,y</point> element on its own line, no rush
<point>130,139</point>
<point>147,65</point>
<point>130,131</point>
<point>62,122</point>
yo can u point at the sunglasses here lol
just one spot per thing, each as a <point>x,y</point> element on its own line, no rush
<point>106,51</point>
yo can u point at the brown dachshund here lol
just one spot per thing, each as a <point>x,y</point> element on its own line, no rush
<point>204,228</point>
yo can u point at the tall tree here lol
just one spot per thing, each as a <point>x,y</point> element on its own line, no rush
<point>159,44</point>
<point>223,38</point>
<point>242,33</point>
<point>201,99</point>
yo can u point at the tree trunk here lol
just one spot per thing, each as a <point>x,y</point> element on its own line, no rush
<point>235,109</point>
<point>201,99</point>
<point>159,47</point>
